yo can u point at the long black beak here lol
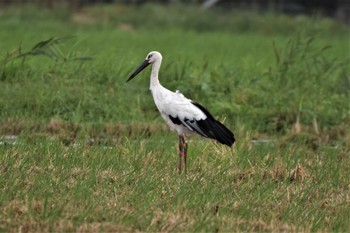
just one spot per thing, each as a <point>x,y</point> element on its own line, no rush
<point>138,70</point>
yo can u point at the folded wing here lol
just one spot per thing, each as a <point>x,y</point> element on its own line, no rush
<point>203,123</point>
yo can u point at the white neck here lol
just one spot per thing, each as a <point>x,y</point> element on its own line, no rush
<point>154,74</point>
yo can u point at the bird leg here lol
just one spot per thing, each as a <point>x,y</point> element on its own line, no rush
<point>185,154</point>
<point>181,153</point>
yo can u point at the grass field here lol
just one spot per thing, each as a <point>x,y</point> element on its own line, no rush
<point>81,150</point>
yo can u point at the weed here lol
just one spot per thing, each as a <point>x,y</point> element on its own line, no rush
<point>47,48</point>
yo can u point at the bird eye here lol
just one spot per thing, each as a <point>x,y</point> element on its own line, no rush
<point>149,56</point>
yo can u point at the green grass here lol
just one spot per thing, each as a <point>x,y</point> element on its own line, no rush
<point>93,154</point>
<point>134,185</point>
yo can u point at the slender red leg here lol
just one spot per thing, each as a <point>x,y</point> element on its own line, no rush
<point>185,154</point>
<point>180,153</point>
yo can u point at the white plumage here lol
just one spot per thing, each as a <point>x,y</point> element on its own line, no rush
<point>178,106</point>
<point>180,113</point>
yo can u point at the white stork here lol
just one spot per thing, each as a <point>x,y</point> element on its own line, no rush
<point>181,114</point>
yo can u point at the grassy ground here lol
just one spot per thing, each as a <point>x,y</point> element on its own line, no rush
<point>90,152</point>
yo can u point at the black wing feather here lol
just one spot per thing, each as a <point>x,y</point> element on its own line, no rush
<point>190,124</point>
<point>175,120</point>
<point>209,128</point>
<point>214,129</point>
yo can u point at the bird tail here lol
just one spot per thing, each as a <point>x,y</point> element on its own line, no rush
<point>214,129</point>
<point>223,134</point>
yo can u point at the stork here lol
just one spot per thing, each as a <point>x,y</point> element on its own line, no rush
<point>182,114</point>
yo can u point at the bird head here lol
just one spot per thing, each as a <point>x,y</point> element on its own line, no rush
<point>151,58</point>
